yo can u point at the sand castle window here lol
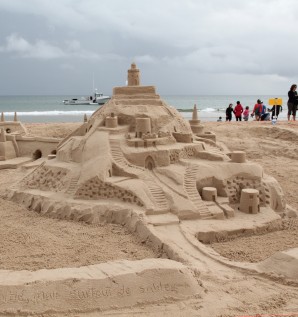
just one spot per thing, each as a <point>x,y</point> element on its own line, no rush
<point>37,154</point>
<point>8,130</point>
<point>54,152</point>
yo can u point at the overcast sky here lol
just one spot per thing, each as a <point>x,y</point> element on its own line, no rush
<point>181,46</point>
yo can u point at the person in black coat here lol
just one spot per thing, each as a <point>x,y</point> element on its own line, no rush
<point>229,112</point>
<point>292,102</point>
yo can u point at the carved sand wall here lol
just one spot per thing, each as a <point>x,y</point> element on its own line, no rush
<point>96,189</point>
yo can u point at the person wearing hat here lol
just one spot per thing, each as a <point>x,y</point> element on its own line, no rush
<point>257,111</point>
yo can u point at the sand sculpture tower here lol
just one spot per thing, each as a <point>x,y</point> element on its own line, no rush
<point>209,193</point>
<point>2,117</point>
<point>143,126</point>
<point>195,122</point>
<point>249,201</point>
<point>133,76</point>
<point>111,121</point>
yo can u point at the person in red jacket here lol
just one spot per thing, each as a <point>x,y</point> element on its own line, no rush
<point>257,111</point>
<point>238,111</point>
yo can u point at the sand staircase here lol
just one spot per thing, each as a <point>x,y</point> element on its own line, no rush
<point>159,197</point>
<point>190,188</point>
<point>73,185</point>
<point>213,149</point>
<point>156,191</point>
<point>121,161</point>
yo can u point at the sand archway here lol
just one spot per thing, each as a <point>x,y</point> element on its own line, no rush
<point>37,155</point>
<point>149,163</point>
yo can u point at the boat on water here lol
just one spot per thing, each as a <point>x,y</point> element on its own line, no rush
<point>97,99</point>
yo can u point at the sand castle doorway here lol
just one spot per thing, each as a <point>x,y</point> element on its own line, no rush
<point>37,155</point>
<point>149,163</point>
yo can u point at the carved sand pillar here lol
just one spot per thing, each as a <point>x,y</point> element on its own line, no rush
<point>85,118</point>
<point>143,126</point>
<point>15,117</point>
<point>195,113</point>
<point>238,156</point>
<point>133,76</point>
<point>195,122</point>
<point>2,135</point>
<point>2,117</point>
<point>250,201</point>
<point>209,193</point>
<point>112,121</point>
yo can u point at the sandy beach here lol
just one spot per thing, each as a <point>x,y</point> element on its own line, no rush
<point>30,241</point>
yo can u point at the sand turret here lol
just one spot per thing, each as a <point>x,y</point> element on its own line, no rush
<point>85,118</point>
<point>111,121</point>
<point>2,117</point>
<point>15,119</point>
<point>249,201</point>
<point>2,136</point>
<point>133,76</point>
<point>195,113</point>
<point>195,123</point>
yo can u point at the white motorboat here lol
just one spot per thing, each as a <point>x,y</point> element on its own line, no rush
<point>100,98</point>
<point>97,99</point>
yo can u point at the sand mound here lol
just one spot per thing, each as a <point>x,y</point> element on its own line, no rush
<point>276,132</point>
<point>32,242</point>
<point>260,247</point>
<point>54,130</point>
<point>283,263</point>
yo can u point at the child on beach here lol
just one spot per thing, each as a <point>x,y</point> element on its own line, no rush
<point>246,113</point>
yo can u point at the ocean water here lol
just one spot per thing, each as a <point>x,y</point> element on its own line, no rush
<point>52,109</point>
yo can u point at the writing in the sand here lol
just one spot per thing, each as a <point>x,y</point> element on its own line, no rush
<point>22,297</point>
<point>125,291</point>
<point>89,293</point>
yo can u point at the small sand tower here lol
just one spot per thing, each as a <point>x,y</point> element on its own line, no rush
<point>249,201</point>
<point>209,193</point>
<point>143,126</point>
<point>133,76</point>
<point>2,117</point>
<point>15,119</point>
<point>238,157</point>
<point>112,121</point>
<point>195,125</point>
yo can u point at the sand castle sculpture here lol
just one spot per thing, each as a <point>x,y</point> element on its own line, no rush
<point>139,163</point>
<point>138,150</point>
<point>15,143</point>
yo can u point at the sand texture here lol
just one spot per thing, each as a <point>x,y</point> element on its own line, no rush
<point>30,241</point>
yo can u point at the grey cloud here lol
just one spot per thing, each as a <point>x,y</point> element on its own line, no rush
<point>192,39</point>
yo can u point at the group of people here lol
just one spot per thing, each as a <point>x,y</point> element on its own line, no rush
<point>261,112</point>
